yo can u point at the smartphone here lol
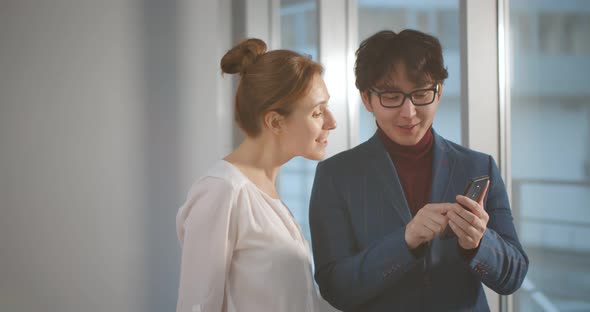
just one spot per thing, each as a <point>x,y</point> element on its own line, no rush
<point>476,187</point>
<point>473,190</point>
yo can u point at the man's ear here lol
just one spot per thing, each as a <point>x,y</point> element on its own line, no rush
<point>440,90</point>
<point>366,97</point>
<point>274,121</point>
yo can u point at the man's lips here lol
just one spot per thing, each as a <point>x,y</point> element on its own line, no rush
<point>408,127</point>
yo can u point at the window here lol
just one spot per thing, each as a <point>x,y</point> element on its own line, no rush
<point>299,32</point>
<point>550,153</point>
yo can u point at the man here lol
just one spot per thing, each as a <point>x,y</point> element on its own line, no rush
<point>379,212</point>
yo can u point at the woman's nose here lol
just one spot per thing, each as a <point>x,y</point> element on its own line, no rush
<point>329,121</point>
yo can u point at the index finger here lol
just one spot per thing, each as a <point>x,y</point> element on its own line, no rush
<point>440,208</point>
<point>470,205</point>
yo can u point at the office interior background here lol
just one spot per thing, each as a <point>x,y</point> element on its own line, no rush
<point>110,109</point>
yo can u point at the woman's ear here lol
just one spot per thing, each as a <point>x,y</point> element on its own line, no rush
<point>274,121</point>
<point>366,97</point>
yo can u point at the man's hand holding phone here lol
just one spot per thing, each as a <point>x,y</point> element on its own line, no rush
<point>469,220</point>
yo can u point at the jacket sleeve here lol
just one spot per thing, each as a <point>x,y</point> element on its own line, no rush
<point>204,230</point>
<point>348,277</point>
<point>500,260</point>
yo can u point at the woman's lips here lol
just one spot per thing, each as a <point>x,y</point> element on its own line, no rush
<point>323,141</point>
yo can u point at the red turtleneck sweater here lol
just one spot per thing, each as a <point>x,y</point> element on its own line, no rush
<point>414,168</point>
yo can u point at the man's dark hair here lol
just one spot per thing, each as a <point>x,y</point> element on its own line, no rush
<point>378,55</point>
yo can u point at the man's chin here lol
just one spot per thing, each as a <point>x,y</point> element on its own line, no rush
<point>406,140</point>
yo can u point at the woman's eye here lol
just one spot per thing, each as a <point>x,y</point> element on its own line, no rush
<point>316,114</point>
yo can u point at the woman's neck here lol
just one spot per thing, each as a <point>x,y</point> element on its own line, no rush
<point>260,160</point>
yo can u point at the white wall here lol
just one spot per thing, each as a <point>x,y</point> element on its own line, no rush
<point>102,111</point>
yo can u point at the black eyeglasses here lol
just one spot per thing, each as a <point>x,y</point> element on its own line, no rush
<point>393,99</point>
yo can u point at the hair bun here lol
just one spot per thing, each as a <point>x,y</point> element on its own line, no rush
<point>238,58</point>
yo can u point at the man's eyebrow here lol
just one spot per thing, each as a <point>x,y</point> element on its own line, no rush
<point>387,86</point>
<point>393,87</point>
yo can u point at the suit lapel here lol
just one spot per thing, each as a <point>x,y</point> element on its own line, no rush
<point>442,168</point>
<point>387,177</point>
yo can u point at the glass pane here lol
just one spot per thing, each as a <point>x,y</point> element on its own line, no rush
<point>550,135</point>
<point>438,18</point>
<point>299,32</point>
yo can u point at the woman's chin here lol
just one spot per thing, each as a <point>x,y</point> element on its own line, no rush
<point>316,155</point>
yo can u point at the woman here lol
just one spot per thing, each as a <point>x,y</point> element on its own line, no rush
<point>242,250</point>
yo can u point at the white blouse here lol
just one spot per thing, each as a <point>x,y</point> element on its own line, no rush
<point>242,250</point>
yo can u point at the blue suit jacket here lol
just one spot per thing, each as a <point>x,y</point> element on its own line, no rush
<point>358,215</point>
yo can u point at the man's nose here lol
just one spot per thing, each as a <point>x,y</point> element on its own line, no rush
<point>407,109</point>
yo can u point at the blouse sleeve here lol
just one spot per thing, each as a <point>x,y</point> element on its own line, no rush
<point>207,239</point>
